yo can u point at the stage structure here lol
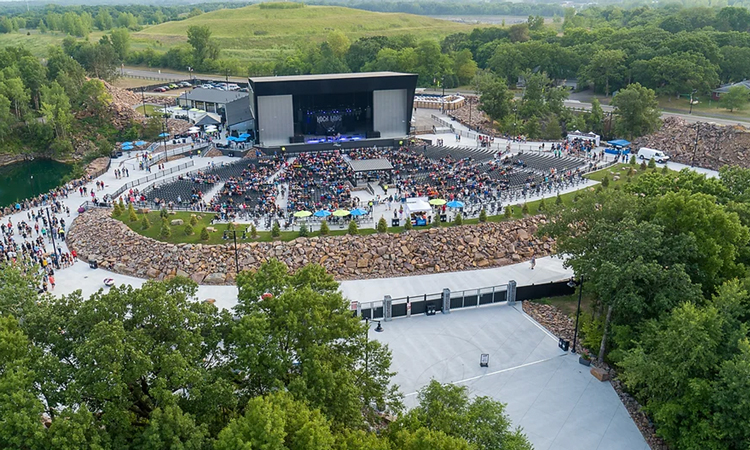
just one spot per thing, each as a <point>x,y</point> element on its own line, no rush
<point>332,110</point>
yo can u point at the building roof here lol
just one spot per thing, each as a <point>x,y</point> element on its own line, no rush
<point>208,119</point>
<point>725,88</point>
<point>213,95</point>
<point>367,165</point>
<point>238,111</point>
<point>328,76</point>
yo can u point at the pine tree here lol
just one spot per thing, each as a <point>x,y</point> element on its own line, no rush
<point>165,231</point>
<point>542,205</point>
<point>145,224</point>
<point>353,229</point>
<point>605,182</point>
<point>483,215</point>
<point>632,160</point>
<point>163,213</point>
<point>643,165</point>
<point>651,163</point>
<point>407,225</point>
<point>664,170</point>
<point>458,220</point>
<point>189,230</point>
<point>131,213</point>
<point>508,213</point>
<point>204,234</point>
<point>382,225</point>
<point>116,211</point>
<point>193,220</point>
<point>558,200</point>
<point>276,230</point>
<point>324,229</point>
<point>253,232</point>
<point>525,209</point>
<point>303,231</point>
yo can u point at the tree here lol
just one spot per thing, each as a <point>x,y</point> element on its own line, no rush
<point>495,99</point>
<point>188,230</point>
<point>604,67</point>
<point>637,110</point>
<point>595,118</point>
<point>276,229</point>
<point>131,213</point>
<point>120,39</point>
<point>199,37</point>
<point>303,231</point>
<point>353,229</point>
<point>382,225</point>
<point>458,220</point>
<point>735,98</point>
<point>145,223</point>
<point>165,232</point>
<point>204,234</point>
<point>483,215</point>
<point>33,74</point>
<point>324,229</point>
<point>193,220</point>
<point>407,224</point>
<point>14,89</point>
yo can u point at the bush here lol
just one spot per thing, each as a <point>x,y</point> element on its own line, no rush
<point>204,234</point>
<point>303,231</point>
<point>605,182</point>
<point>230,226</point>
<point>324,229</point>
<point>382,225</point>
<point>145,224</point>
<point>408,225</point>
<point>193,220</point>
<point>116,211</point>
<point>576,197</point>
<point>132,216</point>
<point>353,229</point>
<point>165,231</point>
<point>664,170</point>
<point>122,205</point>
<point>652,163</point>
<point>189,230</point>
<point>632,160</point>
<point>643,166</point>
<point>163,213</point>
<point>483,215</point>
<point>542,205</point>
<point>525,209</point>
<point>253,231</point>
<point>508,213</point>
<point>458,220</point>
<point>558,200</point>
<point>276,229</point>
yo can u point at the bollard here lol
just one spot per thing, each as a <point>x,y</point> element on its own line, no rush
<point>510,295</point>
<point>446,301</point>
<point>387,308</point>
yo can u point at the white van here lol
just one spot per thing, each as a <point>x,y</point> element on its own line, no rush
<point>646,154</point>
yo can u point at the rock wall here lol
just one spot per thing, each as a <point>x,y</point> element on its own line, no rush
<point>718,145</point>
<point>95,235</point>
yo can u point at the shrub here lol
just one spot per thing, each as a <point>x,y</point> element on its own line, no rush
<point>276,230</point>
<point>193,220</point>
<point>189,230</point>
<point>230,226</point>
<point>605,181</point>
<point>508,213</point>
<point>483,215</point>
<point>632,160</point>
<point>652,163</point>
<point>116,211</point>
<point>204,234</point>
<point>576,197</point>
<point>558,200</point>
<point>408,225</point>
<point>131,214</point>
<point>324,229</point>
<point>631,172</point>
<point>163,213</point>
<point>382,225</point>
<point>664,170</point>
<point>122,205</point>
<point>353,229</point>
<point>525,209</point>
<point>303,231</point>
<point>253,231</point>
<point>643,166</point>
<point>458,220</point>
<point>165,231</point>
<point>542,205</point>
<point>145,224</point>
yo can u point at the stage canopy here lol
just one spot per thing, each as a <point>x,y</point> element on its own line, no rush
<point>368,165</point>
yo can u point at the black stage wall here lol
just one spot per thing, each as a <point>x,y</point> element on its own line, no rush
<point>382,101</point>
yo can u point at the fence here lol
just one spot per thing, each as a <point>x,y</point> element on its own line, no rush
<point>445,301</point>
<point>152,177</point>
<point>101,171</point>
<point>186,149</point>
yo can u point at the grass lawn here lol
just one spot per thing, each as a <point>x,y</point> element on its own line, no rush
<point>569,303</point>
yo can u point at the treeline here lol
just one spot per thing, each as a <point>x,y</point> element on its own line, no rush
<point>667,259</point>
<point>288,368</point>
<point>452,8</point>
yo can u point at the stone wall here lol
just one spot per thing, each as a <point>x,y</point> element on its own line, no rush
<point>95,235</point>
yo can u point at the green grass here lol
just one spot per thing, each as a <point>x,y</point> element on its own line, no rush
<point>568,304</point>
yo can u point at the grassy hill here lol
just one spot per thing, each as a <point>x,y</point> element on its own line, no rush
<point>253,31</point>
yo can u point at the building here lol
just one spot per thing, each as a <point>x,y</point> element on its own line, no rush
<point>716,93</point>
<point>332,109</point>
<point>232,106</point>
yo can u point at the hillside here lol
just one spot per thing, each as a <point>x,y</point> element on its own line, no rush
<point>253,28</point>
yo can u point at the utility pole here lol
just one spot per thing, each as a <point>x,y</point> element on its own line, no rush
<point>143,100</point>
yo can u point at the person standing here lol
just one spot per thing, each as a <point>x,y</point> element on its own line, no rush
<point>533,261</point>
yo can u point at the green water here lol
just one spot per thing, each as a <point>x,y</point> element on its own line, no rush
<point>27,179</point>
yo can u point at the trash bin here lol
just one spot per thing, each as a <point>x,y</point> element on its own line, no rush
<point>430,309</point>
<point>93,264</point>
<point>563,344</point>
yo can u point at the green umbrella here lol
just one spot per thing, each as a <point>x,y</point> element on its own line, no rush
<point>437,202</point>
<point>302,214</point>
<point>341,213</point>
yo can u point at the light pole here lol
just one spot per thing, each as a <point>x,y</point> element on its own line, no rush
<point>695,145</point>
<point>236,254</point>
<point>691,100</point>
<point>579,283</point>
<point>143,100</point>
<point>378,329</point>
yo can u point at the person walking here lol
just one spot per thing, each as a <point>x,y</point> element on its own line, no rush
<point>533,261</point>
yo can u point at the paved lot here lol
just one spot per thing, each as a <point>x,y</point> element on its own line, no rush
<point>554,399</point>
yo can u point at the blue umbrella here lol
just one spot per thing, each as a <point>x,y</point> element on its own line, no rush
<point>232,138</point>
<point>244,135</point>
<point>358,212</point>
<point>127,147</point>
<point>139,143</point>
<point>322,213</point>
<point>455,204</point>
<point>164,135</point>
<point>127,143</point>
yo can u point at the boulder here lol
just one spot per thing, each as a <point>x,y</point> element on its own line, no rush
<point>600,374</point>
<point>176,222</point>
<point>215,278</point>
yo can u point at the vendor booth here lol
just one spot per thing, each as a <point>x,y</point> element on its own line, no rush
<point>418,210</point>
<point>618,147</point>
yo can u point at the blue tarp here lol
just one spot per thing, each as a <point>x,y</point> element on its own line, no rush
<point>619,143</point>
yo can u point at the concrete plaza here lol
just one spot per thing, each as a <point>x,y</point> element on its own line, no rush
<point>556,401</point>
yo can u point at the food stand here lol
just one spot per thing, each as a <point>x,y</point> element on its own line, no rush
<point>418,210</point>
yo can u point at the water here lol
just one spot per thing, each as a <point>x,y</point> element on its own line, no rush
<point>19,181</point>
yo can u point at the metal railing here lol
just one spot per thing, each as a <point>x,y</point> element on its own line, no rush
<point>152,177</point>
<point>158,157</point>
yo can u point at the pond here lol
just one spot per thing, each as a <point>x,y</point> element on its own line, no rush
<point>22,180</point>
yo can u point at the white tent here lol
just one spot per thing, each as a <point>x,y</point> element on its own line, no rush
<point>417,205</point>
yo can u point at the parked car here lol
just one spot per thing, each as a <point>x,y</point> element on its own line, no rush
<point>161,89</point>
<point>646,154</point>
<point>221,86</point>
<point>173,86</point>
<point>233,87</point>
<point>184,84</point>
<point>207,86</point>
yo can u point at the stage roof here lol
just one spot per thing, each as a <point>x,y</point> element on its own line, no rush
<point>328,76</point>
<point>367,165</point>
<point>213,95</point>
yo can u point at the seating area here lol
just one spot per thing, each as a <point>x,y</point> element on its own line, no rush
<point>436,153</point>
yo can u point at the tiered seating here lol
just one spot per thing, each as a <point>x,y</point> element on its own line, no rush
<point>543,163</point>
<point>436,153</point>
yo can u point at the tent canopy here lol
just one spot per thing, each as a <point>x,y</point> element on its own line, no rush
<point>415,205</point>
<point>618,143</point>
<point>208,119</point>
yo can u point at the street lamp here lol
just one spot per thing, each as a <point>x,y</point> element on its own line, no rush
<point>691,100</point>
<point>378,329</point>
<point>573,283</point>
<point>236,255</point>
